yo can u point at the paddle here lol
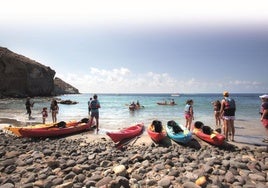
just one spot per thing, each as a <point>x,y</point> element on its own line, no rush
<point>126,141</point>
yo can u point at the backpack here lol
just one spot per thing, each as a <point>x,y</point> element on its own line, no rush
<point>229,103</point>
<point>157,126</point>
<point>93,104</point>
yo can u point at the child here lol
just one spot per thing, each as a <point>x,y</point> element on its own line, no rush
<point>44,115</point>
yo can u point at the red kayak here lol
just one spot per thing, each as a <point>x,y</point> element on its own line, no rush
<point>214,137</point>
<point>55,131</point>
<point>156,136</point>
<point>126,133</point>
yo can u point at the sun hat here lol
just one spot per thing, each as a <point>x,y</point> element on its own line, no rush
<point>225,93</point>
<point>265,96</point>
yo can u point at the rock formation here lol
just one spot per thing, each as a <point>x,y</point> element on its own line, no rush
<point>21,76</point>
<point>61,87</point>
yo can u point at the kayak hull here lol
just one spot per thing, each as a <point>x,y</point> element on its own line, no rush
<point>183,137</point>
<point>215,138</point>
<point>126,133</point>
<point>156,136</point>
<point>54,131</point>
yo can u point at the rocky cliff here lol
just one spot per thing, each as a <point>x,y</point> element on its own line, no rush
<point>21,76</point>
<point>61,87</point>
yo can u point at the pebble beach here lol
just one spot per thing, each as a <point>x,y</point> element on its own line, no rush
<point>91,160</point>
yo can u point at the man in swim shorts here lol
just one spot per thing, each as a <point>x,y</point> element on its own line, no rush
<point>264,113</point>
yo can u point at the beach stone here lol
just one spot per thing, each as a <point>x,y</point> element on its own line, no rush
<point>257,177</point>
<point>7,185</point>
<point>65,185</point>
<point>57,181</point>
<point>77,169</point>
<point>120,170</point>
<point>104,181</point>
<point>229,177</point>
<point>190,185</point>
<point>9,169</point>
<point>7,162</point>
<point>165,182</point>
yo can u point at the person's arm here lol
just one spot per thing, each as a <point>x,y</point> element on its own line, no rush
<point>222,108</point>
<point>265,113</point>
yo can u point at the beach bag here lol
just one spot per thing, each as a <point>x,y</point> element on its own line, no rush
<point>157,126</point>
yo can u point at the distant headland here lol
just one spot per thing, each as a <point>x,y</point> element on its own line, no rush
<point>23,77</point>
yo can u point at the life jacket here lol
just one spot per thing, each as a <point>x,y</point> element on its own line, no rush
<point>229,103</point>
<point>187,109</point>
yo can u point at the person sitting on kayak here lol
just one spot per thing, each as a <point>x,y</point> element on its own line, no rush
<point>206,129</point>
<point>176,128</point>
<point>157,126</point>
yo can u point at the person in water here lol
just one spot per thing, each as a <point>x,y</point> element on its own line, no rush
<point>217,108</point>
<point>95,105</point>
<point>228,108</point>
<point>29,105</point>
<point>44,114</point>
<point>189,113</point>
<point>54,108</point>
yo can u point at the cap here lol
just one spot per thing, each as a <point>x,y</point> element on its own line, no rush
<point>225,93</point>
<point>264,96</point>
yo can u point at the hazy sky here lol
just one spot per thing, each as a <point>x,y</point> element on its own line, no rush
<point>121,46</point>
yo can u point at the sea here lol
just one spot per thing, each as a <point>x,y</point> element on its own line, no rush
<point>115,114</point>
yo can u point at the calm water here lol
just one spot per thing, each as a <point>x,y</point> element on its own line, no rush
<point>114,112</point>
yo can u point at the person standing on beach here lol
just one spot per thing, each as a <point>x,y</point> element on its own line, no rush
<point>95,105</point>
<point>44,114</point>
<point>88,104</point>
<point>29,105</point>
<point>217,107</point>
<point>264,113</point>
<point>228,108</point>
<point>189,113</point>
<point>54,108</point>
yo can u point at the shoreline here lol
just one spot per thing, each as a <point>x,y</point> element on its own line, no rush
<point>242,138</point>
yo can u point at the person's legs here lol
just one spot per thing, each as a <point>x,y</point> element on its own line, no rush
<point>225,128</point>
<point>232,129</point>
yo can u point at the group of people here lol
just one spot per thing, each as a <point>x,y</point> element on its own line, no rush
<point>224,110</point>
<point>54,109</point>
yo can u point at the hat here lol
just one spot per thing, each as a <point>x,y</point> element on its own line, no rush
<point>264,96</point>
<point>225,93</point>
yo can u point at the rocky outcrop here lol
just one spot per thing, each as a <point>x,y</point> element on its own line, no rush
<point>21,77</point>
<point>61,87</point>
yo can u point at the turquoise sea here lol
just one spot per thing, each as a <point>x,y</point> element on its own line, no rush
<point>114,112</point>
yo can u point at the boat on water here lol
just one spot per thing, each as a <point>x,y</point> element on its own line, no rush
<point>177,132</point>
<point>175,95</point>
<point>156,131</point>
<point>126,133</point>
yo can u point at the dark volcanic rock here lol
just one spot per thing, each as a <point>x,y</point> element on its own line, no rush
<point>21,76</point>
<point>61,87</point>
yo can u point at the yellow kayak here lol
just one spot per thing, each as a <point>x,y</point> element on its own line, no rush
<point>15,129</point>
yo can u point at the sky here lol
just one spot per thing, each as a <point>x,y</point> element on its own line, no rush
<point>144,46</point>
